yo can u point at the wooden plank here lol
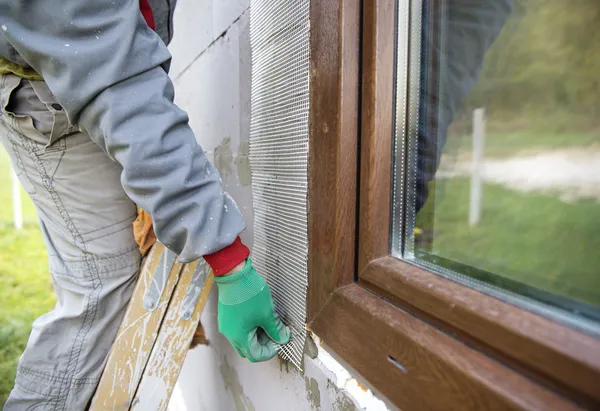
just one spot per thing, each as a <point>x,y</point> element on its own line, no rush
<point>172,345</point>
<point>333,142</point>
<point>419,367</point>
<point>136,336</point>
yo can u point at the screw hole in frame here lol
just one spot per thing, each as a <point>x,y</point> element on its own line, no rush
<point>397,364</point>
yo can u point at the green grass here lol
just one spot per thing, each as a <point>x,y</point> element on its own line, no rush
<point>25,286</point>
<point>533,238</point>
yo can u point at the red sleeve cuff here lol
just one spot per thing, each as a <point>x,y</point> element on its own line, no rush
<point>227,258</point>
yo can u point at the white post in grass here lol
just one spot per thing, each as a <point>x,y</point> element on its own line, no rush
<point>477,166</point>
<point>16,200</point>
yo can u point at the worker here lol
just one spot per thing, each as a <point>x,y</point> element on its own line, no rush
<point>456,36</point>
<point>88,119</point>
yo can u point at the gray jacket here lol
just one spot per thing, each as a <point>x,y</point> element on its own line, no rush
<point>105,67</point>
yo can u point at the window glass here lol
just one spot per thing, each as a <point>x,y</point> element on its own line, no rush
<point>500,161</point>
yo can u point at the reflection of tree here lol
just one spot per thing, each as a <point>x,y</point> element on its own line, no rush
<point>546,61</point>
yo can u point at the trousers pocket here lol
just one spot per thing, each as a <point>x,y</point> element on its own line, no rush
<point>37,116</point>
<point>32,133</point>
<point>60,125</point>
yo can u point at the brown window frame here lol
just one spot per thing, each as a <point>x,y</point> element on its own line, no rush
<point>421,340</point>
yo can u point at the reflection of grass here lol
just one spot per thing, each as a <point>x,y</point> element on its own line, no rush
<point>25,285</point>
<point>532,238</point>
<point>508,144</point>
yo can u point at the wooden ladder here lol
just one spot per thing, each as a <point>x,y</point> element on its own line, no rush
<point>154,337</point>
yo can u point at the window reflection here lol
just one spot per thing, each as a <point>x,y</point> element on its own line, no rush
<point>507,176</point>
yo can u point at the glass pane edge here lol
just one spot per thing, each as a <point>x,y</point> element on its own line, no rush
<point>560,315</point>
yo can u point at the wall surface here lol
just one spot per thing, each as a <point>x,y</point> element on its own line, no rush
<point>211,70</point>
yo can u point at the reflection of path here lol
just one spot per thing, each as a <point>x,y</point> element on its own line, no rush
<point>573,173</point>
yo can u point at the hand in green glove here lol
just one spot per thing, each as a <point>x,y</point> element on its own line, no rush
<point>247,315</point>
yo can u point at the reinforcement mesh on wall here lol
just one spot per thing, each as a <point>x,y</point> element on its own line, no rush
<point>279,37</point>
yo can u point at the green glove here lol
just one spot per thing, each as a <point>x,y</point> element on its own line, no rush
<point>247,315</point>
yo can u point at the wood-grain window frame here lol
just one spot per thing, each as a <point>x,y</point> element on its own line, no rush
<point>422,341</point>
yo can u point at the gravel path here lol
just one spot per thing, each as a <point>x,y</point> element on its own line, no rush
<point>571,174</point>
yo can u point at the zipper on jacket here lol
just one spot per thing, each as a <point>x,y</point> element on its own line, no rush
<point>169,35</point>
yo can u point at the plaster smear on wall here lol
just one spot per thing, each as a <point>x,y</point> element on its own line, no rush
<point>233,385</point>
<point>345,382</point>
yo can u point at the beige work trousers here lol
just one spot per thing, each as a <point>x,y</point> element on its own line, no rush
<point>86,220</point>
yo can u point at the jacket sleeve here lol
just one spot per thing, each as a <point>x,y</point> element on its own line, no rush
<point>103,65</point>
